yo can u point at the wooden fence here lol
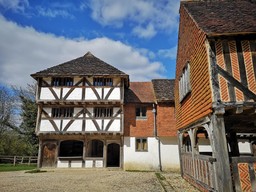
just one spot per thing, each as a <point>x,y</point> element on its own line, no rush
<point>199,170</point>
<point>18,160</point>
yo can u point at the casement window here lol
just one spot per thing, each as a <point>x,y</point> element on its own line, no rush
<point>62,112</point>
<point>62,81</point>
<point>141,144</point>
<point>184,83</point>
<point>102,81</point>
<point>103,112</point>
<point>141,112</point>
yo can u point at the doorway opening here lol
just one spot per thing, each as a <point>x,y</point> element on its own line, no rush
<point>113,155</point>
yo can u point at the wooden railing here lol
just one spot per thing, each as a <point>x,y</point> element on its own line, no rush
<point>19,159</point>
<point>199,169</point>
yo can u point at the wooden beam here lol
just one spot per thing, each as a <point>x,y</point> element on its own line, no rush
<point>220,152</point>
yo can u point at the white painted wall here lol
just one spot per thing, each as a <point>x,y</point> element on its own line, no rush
<point>150,160</point>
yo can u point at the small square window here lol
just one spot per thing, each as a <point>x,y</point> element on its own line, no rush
<point>141,112</point>
<point>141,144</point>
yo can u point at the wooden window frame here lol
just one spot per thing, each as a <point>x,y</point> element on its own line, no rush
<point>184,83</point>
<point>62,81</point>
<point>62,112</point>
<point>103,112</point>
<point>102,81</point>
<point>141,144</point>
<point>142,111</point>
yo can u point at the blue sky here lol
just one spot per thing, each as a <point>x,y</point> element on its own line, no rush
<point>138,37</point>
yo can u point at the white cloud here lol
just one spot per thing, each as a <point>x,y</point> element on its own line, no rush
<point>168,53</point>
<point>47,12</point>
<point>159,15</point>
<point>147,32</point>
<point>14,5</point>
<point>25,51</point>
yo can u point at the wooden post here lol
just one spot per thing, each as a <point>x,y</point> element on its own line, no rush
<point>180,135</point>
<point>220,152</point>
<point>29,160</point>
<point>39,153</point>
<point>121,160</point>
<point>14,160</point>
<point>105,154</point>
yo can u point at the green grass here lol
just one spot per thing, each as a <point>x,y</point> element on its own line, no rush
<point>10,167</point>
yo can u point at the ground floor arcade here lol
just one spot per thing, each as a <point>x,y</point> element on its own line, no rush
<point>78,151</point>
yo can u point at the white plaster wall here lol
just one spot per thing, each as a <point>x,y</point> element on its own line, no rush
<point>88,163</point>
<point>45,125</point>
<point>99,163</point>
<point>76,94</point>
<point>46,94</point>
<point>76,164</point>
<point>62,164</point>
<point>150,160</point>
<point>75,126</point>
<point>89,126</point>
<point>115,126</point>
<point>89,94</point>
<point>115,94</point>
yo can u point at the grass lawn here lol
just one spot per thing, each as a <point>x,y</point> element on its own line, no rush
<point>10,167</point>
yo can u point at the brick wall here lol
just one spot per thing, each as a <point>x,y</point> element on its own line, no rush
<point>145,127</point>
<point>192,49</point>
<point>166,123</point>
<point>138,127</point>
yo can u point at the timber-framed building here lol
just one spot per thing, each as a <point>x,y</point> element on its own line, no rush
<point>80,114</point>
<point>91,116</point>
<point>215,94</point>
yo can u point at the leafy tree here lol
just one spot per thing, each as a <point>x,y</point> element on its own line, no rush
<point>7,109</point>
<point>18,112</point>
<point>28,116</point>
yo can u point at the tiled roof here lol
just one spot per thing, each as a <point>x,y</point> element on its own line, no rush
<point>164,89</point>
<point>139,92</point>
<point>223,17</point>
<point>88,65</point>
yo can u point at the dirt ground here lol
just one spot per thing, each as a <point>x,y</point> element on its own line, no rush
<point>92,180</point>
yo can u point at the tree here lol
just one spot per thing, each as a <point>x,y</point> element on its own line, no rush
<point>7,109</point>
<point>28,116</point>
<point>18,112</point>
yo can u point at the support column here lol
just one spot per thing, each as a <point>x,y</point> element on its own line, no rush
<point>180,143</point>
<point>220,152</point>
<point>121,160</point>
<point>39,156</point>
<point>105,154</point>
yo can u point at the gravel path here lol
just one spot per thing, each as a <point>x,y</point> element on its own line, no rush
<point>92,180</point>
